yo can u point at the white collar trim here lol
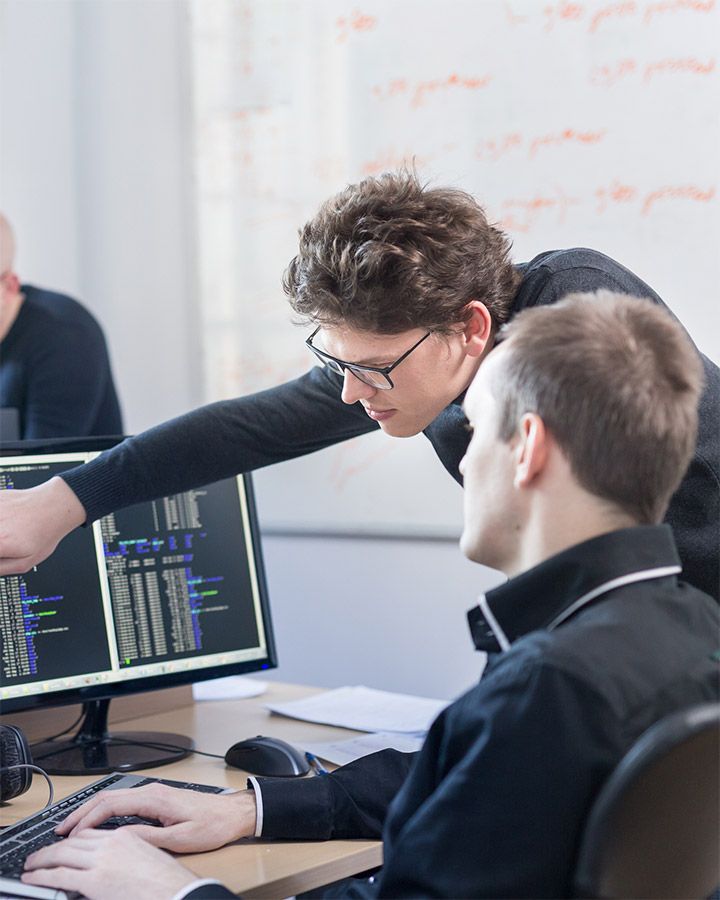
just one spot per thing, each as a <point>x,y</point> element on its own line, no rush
<point>632,578</point>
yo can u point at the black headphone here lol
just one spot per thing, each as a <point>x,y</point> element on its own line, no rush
<point>17,763</point>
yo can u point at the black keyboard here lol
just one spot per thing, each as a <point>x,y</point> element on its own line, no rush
<point>18,841</point>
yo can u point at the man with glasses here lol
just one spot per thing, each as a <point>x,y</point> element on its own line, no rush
<point>406,287</point>
<point>592,640</point>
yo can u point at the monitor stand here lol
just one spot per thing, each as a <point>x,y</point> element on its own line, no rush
<point>94,751</point>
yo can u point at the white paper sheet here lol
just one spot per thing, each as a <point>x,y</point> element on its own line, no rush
<point>341,752</point>
<point>364,709</point>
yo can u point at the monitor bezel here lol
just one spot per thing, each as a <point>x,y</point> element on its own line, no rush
<point>124,688</point>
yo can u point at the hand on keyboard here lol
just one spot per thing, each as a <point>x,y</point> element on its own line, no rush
<point>193,822</point>
<point>108,865</point>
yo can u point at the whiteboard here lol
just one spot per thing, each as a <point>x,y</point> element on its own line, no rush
<point>589,124</point>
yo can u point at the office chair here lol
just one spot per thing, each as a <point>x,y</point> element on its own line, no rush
<point>654,829</point>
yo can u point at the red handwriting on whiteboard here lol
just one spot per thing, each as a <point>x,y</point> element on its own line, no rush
<point>562,12</point>
<point>610,74</point>
<point>520,213</point>
<point>613,11</point>
<point>568,136</point>
<point>419,91</point>
<point>681,192</point>
<point>568,12</point>
<point>357,21</point>
<point>495,148</point>
<point>619,193</point>
<point>689,65</point>
<point>675,6</point>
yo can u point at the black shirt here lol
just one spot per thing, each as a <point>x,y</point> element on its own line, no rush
<point>55,370</point>
<point>495,803</point>
<point>602,641</point>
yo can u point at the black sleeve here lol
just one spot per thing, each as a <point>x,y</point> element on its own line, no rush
<point>351,802</point>
<point>497,797</point>
<point>67,382</point>
<point>219,441</point>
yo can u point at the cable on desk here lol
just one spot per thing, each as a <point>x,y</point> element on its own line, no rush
<point>41,772</point>
<point>161,746</point>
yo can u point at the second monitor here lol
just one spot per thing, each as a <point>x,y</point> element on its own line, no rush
<point>162,593</point>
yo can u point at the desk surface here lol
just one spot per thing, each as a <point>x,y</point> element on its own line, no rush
<point>254,868</point>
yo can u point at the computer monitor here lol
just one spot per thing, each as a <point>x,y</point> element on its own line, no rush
<point>159,594</point>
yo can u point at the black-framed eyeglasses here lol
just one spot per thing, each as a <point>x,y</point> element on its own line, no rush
<point>376,376</point>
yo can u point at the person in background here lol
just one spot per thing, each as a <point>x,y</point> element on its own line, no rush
<point>54,364</point>
<point>583,423</point>
<point>406,287</point>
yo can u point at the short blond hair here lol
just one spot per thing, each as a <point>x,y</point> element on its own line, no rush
<point>617,381</point>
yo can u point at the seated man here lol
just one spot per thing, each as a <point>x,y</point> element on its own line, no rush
<point>54,364</point>
<point>583,423</point>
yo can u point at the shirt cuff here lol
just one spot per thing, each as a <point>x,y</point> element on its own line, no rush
<point>183,892</point>
<point>255,785</point>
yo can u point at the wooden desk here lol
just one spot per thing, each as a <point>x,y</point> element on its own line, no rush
<point>254,868</point>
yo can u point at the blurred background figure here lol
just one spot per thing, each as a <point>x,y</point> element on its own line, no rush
<point>55,377</point>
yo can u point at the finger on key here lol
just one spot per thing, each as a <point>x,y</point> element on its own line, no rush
<point>99,808</point>
<point>72,818</point>
<point>65,853</point>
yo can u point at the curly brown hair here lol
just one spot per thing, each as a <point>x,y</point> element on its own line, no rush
<point>390,254</point>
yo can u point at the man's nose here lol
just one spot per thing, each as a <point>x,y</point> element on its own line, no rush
<point>354,389</point>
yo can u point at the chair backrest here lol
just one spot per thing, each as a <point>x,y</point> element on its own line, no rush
<point>654,829</point>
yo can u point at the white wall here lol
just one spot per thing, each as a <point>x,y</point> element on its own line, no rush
<point>94,175</point>
<point>38,176</point>
<point>385,613</point>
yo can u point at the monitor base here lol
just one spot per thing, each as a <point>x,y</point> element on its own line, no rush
<point>115,752</point>
<point>96,751</point>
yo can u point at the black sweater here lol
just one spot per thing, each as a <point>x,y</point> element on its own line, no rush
<point>308,414</point>
<point>55,370</point>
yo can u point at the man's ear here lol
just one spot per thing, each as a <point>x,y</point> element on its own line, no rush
<point>531,451</point>
<point>478,329</point>
<point>11,282</point>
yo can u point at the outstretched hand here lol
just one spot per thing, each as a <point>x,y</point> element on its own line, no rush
<point>193,822</point>
<point>33,522</point>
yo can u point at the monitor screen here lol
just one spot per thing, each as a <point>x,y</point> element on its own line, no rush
<point>163,593</point>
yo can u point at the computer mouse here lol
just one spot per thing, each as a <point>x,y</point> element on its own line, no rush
<point>267,756</point>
